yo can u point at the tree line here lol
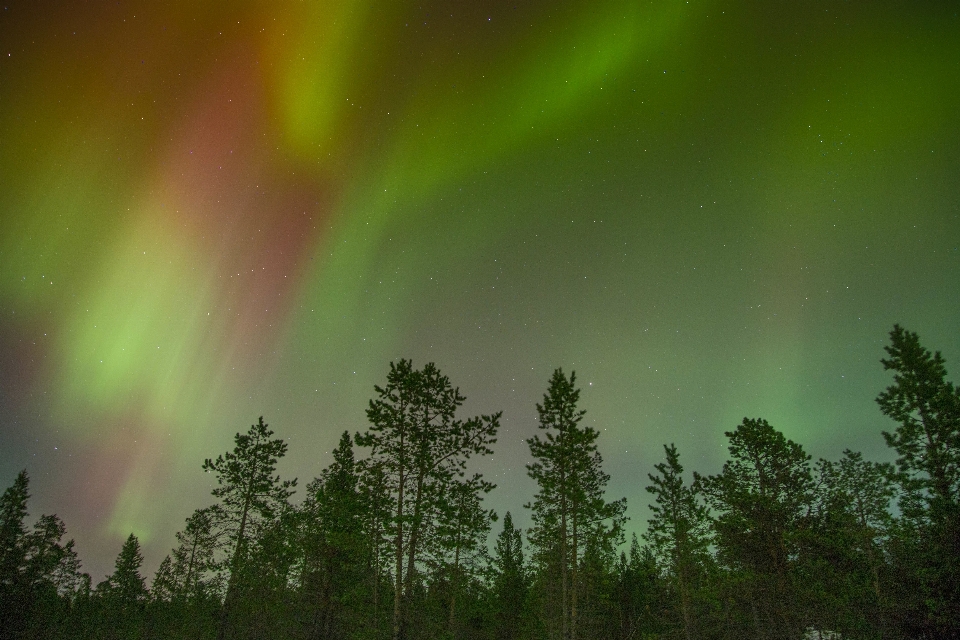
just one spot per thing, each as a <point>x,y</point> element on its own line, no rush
<point>394,543</point>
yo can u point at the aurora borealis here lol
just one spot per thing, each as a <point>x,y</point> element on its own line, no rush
<point>215,211</point>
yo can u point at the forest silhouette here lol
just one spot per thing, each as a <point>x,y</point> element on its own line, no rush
<point>392,540</point>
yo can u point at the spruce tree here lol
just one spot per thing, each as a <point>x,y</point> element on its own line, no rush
<point>510,582</point>
<point>122,596</point>
<point>569,505</point>
<point>678,533</point>
<point>13,531</point>
<point>125,587</point>
<point>14,598</point>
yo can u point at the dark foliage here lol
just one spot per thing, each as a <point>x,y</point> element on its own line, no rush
<point>395,544</point>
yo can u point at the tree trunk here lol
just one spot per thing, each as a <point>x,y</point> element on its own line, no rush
<point>376,572</point>
<point>564,629</point>
<point>398,551</point>
<point>411,553</point>
<point>685,608</point>
<point>186,580</point>
<point>453,586</point>
<point>574,573</point>
<point>234,564</point>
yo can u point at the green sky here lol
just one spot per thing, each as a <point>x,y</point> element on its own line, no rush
<point>212,212</point>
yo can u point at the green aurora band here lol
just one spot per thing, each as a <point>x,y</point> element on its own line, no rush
<point>215,211</point>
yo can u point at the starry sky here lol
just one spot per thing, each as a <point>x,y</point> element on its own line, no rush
<point>215,211</point>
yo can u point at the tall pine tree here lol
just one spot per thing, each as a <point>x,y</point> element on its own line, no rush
<point>926,408</point>
<point>678,533</point>
<point>251,496</point>
<point>334,546</point>
<point>762,497</point>
<point>39,573</point>
<point>569,505</point>
<point>421,447</point>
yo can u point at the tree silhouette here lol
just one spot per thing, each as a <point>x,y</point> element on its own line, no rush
<point>460,536</point>
<point>762,496</point>
<point>123,594</point>
<point>510,582</point>
<point>37,570</point>
<point>14,600</point>
<point>333,543</point>
<point>250,497</point>
<point>420,446</point>
<point>569,505</point>
<point>125,587</point>
<point>927,441</point>
<point>768,548</point>
<point>842,561</point>
<point>678,532</point>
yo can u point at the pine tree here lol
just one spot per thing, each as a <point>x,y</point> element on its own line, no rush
<point>13,531</point>
<point>569,506</point>
<point>14,599</point>
<point>38,572</point>
<point>420,446</point>
<point>927,441</point>
<point>195,556</point>
<point>762,497</point>
<point>333,544</point>
<point>842,559</point>
<point>641,593</point>
<point>460,539</point>
<point>188,585</point>
<point>251,496</point>
<point>678,533</point>
<point>510,582</point>
<point>376,503</point>
<point>267,608</point>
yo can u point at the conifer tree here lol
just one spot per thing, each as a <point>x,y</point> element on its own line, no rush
<point>376,503</point>
<point>678,533</point>
<point>122,596</point>
<point>927,440</point>
<point>420,446</point>
<point>641,593</point>
<point>125,587</point>
<point>843,554</point>
<point>188,585</point>
<point>460,538</point>
<point>762,497</point>
<point>569,505</point>
<point>13,533</point>
<point>37,570</point>
<point>190,571</point>
<point>510,582</point>
<point>333,542</point>
<point>251,496</point>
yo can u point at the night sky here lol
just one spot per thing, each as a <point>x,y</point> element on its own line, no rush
<point>215,211</point>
